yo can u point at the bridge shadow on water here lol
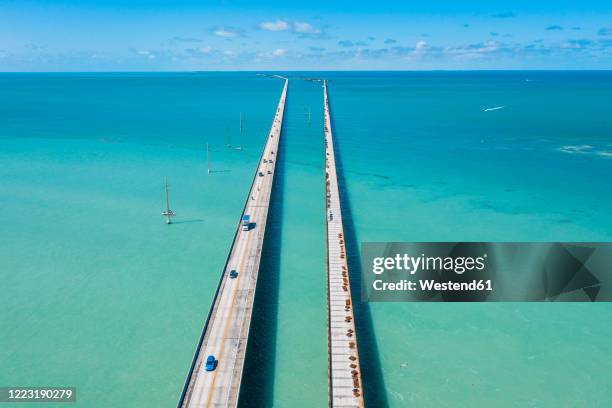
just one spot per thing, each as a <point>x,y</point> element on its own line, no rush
<point>375,392</point>
<point>257,389</point>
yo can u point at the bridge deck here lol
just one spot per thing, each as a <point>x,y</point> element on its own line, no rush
<point>345,385</point>
<point>226,330</point>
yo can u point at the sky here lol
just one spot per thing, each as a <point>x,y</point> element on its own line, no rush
<point>187,35</point>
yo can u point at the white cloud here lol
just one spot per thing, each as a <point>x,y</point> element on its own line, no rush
<point>302,29</point>
<point>205,50</point>
<point>305,28</point>
<point>267,55</point>
<point>420,47</point>
<point>576,44</point>
<point>475,49</point>
<point>225,32</point>
<point>146,53</point>
<point>278,25</point>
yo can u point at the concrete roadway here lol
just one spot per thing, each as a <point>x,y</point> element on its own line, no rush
<point>227,332</point>
<point>345,384</point>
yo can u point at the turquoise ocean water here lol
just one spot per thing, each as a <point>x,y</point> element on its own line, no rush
<point>99,294</point>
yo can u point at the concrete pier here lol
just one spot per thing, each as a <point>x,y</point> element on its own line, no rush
<point>344,370</point>
<point>226,330</point>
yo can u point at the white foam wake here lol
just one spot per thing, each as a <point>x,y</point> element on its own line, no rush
<point>493,109</point>
<point>577,149</point>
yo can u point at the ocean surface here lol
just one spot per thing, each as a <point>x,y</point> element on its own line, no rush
<point>98,293</point>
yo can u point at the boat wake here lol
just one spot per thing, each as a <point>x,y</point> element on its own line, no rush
<point>585,149</point>
<point>493,109</point>
<point>577,149</point>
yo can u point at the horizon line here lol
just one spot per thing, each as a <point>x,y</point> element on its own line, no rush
<point>325,70</point>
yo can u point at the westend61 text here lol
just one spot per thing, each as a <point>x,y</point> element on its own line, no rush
<point>430,284</point>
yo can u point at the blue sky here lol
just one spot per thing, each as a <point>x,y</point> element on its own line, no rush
<point>178,35</point>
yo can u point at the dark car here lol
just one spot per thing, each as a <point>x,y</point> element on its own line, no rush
<point>260,174</point>
<point>233,274</point>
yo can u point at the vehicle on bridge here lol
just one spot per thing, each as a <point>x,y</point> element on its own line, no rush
<point>233,274</point>
<point>211,363</point>
<point>246,222</point>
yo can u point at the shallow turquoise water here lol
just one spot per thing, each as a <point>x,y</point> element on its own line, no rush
<point>424,162</point>
<point>287,363</point>
<point>98,293</point>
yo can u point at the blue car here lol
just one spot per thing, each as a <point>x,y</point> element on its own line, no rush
<point>211,363</point>
<point>233,274</point>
